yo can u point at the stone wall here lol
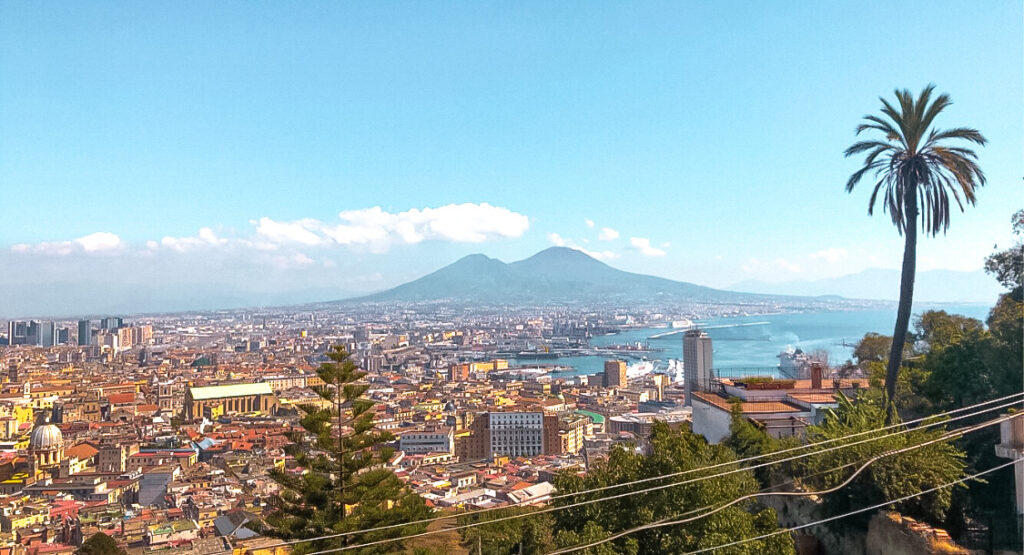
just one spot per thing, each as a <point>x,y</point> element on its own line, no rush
<point>893,534</point>
<point>888,533</point>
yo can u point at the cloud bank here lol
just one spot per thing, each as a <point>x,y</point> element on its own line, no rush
<point>220,267</point>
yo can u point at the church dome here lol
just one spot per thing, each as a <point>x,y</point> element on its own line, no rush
<point>45,438</point>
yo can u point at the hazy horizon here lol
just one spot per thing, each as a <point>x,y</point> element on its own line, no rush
<point>276,150</point>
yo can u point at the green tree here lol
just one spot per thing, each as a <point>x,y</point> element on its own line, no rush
<point>889,477</point>
<point>1008,265</point>
<point>747,439</point>
<point>965,372</point>
<point>937,329</point>
<point>100,544</point>
<point>671,451</point>
<point>531,534</point>
<point>967,363</point>
<point>873,347</point>
<point>917,172</point>
<point>346,487</point>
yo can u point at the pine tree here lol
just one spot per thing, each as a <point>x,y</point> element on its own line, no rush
<point>100,544</point>
<point>346,485</point>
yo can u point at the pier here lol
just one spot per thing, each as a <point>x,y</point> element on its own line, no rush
<point>720,326</point>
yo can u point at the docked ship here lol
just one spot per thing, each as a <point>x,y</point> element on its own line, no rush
<point>639,369</point>
<point>794,364</point>
<point>673,369</point>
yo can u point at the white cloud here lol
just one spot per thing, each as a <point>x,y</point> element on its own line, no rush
<point>643,245</point>
<point>379,229</point>
<point>608,234</point>
<point>100,241</point>
<point>371,229</point>
<point>291,261</point>
<point>556,240</point>
<point>590,223</point>
<point>299,231</point>
<point>831,255</point>
<point>302,259</point>
<point>559,241</point>
<point>787,265</point>
<point>600,255</point>
<point>205,238</point>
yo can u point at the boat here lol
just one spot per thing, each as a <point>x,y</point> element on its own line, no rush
<point>673,368</point>
<point>794,364</point>
<point>685,323</point>
<point>639,369</point>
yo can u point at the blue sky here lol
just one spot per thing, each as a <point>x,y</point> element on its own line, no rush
<point>708,136</point>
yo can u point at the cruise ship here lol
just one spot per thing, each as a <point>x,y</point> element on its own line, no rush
<point>639,369</point>
<point>794,364</point>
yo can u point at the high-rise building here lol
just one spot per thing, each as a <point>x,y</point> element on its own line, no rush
<point>696,362</point>
<point>22,333</point>
<point>124,338</point>
<point>614,373</point>
<point>84,332</point>
<point>111,323</point>
<point>142,335</point>
<point>660,383</point>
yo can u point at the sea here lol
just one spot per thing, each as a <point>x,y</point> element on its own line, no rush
<point>753,343</point>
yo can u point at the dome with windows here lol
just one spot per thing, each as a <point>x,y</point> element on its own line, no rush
<point>46,437</point>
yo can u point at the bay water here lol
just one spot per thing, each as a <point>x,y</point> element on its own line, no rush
<point>747,342</point>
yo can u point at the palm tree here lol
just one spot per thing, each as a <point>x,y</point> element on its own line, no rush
<point>917,172</point>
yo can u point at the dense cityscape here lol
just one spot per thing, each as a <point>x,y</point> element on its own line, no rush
<point>511,278</point>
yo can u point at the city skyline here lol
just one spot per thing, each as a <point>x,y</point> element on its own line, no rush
<point>356,149</point>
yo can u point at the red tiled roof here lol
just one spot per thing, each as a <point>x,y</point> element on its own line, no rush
<point>748,406</point>
<point>118,398</point>
<point>82,451</point>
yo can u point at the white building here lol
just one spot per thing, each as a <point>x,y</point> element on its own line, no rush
<point>517,434</point>
<point>697,362</point>
<point>438,440</point>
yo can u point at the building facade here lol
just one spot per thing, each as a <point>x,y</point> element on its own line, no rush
<point>513,434</point>
<point>697,362</point>
<point>439,440</point>
<point>229,399</point>
<point>614,373</point>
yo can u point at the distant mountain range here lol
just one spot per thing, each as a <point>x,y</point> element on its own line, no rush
<point>97,298</point>
<point>931,286</point>
<point>552,276</point>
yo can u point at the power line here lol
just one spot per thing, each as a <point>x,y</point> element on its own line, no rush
<point>626,494</point>
<point>858,511</point>
<point>844,483</point>
<point>684,472</point>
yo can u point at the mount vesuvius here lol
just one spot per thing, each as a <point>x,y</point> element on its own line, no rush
<point>557,275</point>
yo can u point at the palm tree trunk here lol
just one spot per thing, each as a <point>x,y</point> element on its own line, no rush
<point>899,335</point>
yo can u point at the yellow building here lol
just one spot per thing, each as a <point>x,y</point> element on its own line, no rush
<point>232,399</point>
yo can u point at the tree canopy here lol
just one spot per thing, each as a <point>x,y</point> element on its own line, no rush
<point>918,169</point>
<point>889,477</point>
<point>100,544</point>
<point>346,486</point>
<point>671,451</point>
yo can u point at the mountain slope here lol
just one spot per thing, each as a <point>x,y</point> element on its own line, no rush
<point>554,275</point>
